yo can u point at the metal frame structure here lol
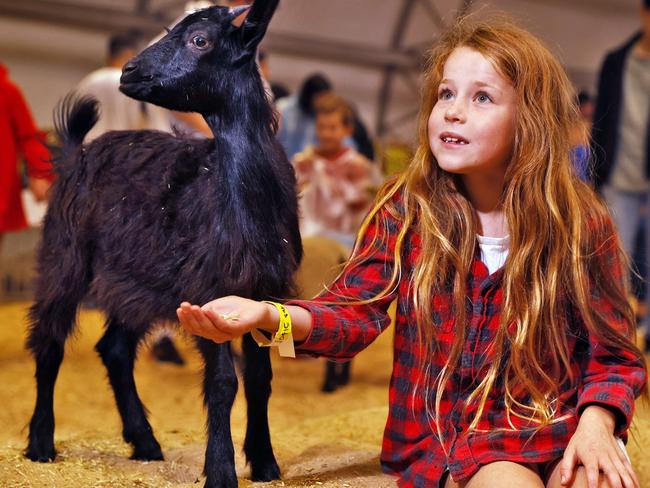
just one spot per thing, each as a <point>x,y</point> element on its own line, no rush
<point>397,62</point>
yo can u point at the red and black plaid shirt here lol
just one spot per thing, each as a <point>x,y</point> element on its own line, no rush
<point>411,447</point>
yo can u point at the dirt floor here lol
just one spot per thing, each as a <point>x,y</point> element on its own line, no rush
<point>320,440</point>
<point>328,440</point>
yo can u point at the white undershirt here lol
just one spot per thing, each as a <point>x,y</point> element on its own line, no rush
<point>494,251</point>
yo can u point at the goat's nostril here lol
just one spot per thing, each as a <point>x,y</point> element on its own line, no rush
<point>128,67</point>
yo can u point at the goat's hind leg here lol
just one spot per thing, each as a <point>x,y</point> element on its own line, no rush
<point>51,324</point>
<point>219,391</point>
<point>118,348</point>
<point>257,385</point>
<point>52,318</point>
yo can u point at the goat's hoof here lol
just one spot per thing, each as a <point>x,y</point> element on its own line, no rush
<point>147,456</point>
<point>40,454</point>
<point>221,481</point>
<point>149,452</point>
<point>268,472</point>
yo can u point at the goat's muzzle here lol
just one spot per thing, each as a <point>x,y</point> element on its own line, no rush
<point>129,67</point>
<point>132,74</point>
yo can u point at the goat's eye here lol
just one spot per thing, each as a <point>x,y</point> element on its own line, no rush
<point>200,42</point>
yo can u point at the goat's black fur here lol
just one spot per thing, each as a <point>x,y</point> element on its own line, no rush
<point>144,220</point>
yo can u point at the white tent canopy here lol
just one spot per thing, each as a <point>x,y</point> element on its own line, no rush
<point>370,49</point>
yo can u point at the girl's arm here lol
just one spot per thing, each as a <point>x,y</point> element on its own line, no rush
<point>612,376</point>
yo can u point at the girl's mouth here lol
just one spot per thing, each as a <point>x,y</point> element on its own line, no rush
<point>453,139</point>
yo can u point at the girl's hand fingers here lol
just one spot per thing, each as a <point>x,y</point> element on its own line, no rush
<point>628,466</point>
<point>568,465</point>
<point>194,321</point>
<point>208,328</point>
<point>186,318</point>
<point>622,471</point>
<point>593,472</point>
<point>635,479</point>
<point>611,472</point>
<point>183,320</point>
<point>628,470</point>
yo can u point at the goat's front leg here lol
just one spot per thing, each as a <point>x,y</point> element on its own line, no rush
<point>118,348</point>
<point>257,385</point>
<point>219,390</point>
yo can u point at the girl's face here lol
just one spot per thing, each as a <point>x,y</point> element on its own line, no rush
<point>472,125</point>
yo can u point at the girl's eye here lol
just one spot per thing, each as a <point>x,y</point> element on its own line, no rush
<point>483,98</point>
<point>200,42</point>
<point>444,95</point>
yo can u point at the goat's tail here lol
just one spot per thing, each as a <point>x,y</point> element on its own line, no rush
<point>74,116</point>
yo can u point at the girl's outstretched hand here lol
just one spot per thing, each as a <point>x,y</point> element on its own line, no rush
<point>595,447</point>
<point>223,319</point>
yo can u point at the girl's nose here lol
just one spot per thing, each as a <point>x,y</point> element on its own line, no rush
<point>455,112</point>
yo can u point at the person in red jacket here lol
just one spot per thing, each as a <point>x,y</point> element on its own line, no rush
<point>19,136</point>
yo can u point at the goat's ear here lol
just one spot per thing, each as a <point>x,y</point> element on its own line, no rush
<point>257,21</point>
<point>235,15</point>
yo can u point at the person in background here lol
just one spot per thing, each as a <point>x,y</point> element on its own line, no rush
<point>621,143</point>
<point>298,115</point>
<point>298,122</point>
<point>119,112</point>
<point>335,182</point>
<point>19,137</point>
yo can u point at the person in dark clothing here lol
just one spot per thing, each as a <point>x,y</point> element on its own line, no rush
<point>621,141</point>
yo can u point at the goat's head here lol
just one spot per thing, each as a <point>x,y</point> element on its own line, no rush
<point>194,65</point>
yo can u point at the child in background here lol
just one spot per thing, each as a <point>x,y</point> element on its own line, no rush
<point>335,181</point>
<point>514,355</point>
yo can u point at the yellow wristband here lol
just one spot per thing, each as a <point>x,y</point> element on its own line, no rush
<point>282,338</point>
<point>284,330</point>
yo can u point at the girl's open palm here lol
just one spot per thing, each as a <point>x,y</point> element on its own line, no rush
<point>223,319</point>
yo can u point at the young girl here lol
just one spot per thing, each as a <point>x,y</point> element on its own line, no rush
<point>514,361</point>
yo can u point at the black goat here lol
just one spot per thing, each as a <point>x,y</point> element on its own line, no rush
<point>144,220</point>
